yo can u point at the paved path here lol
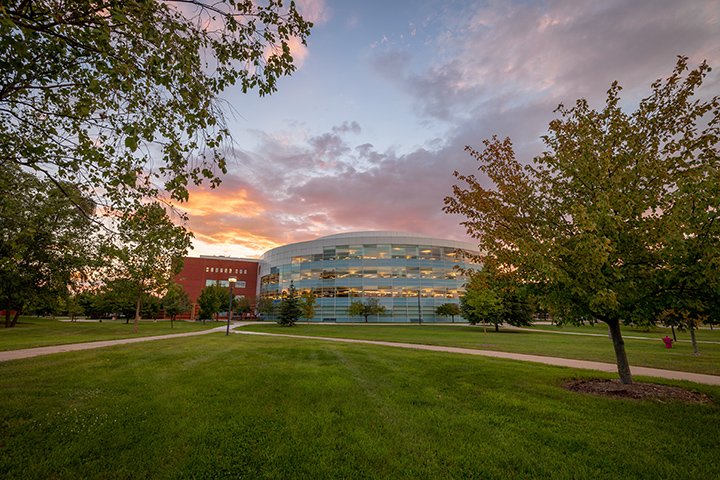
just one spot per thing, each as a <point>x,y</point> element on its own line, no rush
<point>74,347</point>
<point>654,339</point>
<point>561,362</point>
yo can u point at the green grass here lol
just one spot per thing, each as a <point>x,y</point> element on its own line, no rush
<point>263,407</point>
<point>704,334</point>
<point>40,332</point>
<point>648,353</point>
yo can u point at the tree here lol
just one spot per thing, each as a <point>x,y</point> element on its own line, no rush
<point>448,310</point>
<point>242,305</point>
<point>121,97</point>
<point>370,307</point>
<point>308,302</point>
<point>73,307</point>
<point>175,301</point>
<point>480,303</point>
<point>290,310</point>
<point>587,222</point>
<point>151,253</point>
<point>265,306</point>
<point>117,298</point>
<point>46,241</point>
<point>212,299</point>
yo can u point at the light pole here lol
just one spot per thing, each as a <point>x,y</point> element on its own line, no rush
<point>419,309</point>
<point>231,283</point>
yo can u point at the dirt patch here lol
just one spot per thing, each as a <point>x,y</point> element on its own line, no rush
<point>639,391</point>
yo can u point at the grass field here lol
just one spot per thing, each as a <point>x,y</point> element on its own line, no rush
<point>263,407</point>
<point>39,332</point>
<point>649,353</point>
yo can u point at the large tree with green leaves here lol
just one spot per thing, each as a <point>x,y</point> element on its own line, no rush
<point>594,220</point>
<point>150,252</point>
<point>121,97</point>
<point>46,241</point>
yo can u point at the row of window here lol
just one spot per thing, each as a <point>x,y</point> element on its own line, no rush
<point>381,291</point>
<point>225,283</point>
<point>366,272</point>
<point>226,270</point>
<point>348,252</point>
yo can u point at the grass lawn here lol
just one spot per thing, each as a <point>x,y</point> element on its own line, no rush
<point>262,407</point>
<point>39,332</point>
<point>647,353</point>
<point>703,335</point>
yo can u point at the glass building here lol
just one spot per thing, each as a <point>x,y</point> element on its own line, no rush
<point>410,275</point>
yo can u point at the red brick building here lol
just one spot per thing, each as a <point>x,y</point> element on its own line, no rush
<point>199,272</point>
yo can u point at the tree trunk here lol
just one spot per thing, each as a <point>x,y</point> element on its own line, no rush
<point>15,317</point>
<point>137,314</point>
<point>696,352</point>
<point>366,318</point>
<point>7,318</point>
<point>620,356</point>
<point>497,327</point>
<point>453,318</point>
<point>672,327</point>
<point>172,320</point>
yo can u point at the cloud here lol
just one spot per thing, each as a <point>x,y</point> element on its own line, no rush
<point>321,184</point>
<point>314,11</point>
<point>494,68</point>
<point>561,49</point>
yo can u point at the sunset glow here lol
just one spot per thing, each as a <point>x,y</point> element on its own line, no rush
<point>366,133</point>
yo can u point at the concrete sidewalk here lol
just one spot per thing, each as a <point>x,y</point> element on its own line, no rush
<point>74,347</point>
<point>560,362</point>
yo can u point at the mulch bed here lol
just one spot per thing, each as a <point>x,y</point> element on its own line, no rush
<point>639,391</point>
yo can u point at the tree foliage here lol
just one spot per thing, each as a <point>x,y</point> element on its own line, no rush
<point>266,306</point>
<point>290,309</point>
<point>493,298</point>
<point>46,241</point>
<point>121,97</point>
<point>370,307</point>
<point>212,300</point>
<point>603,218</point>
<point>308,304</point>
<point>175,301</point>
<point>448,310</point>
<point>242,305</point>
<point>150,251</point>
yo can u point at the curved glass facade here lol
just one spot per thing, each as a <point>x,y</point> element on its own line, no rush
<point>409,275</point>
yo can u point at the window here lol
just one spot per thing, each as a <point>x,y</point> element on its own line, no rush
<point>355,251</point>
<point>342,252</point>
<point>370,272</point>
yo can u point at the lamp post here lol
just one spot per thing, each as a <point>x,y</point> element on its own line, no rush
<point>419,309</point>
<point>231,283</point>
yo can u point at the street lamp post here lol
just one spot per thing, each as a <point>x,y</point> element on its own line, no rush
<point>231,282</point>
<point>419,309</point>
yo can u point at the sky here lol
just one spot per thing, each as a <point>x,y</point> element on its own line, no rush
<point>366,133</point>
